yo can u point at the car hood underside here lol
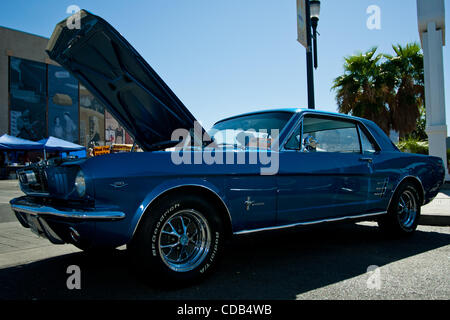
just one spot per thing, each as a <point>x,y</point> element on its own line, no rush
<point>108,66</point>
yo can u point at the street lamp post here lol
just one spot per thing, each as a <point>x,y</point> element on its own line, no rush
<point>312,11</point>
<point>314,14</point>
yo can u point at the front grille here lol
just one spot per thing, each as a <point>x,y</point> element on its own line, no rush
<point>61,185</point>
<point>49,181</point>
<point>61,181</point>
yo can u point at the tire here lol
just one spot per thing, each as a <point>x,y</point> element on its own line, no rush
<point>179,241</point>
<point>403,213</point>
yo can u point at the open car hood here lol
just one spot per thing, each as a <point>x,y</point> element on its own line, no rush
<point>109,67</point>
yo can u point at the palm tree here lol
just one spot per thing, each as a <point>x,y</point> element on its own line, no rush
<point>386,89</point>
<point>362,90</point>
<point>404,73</point>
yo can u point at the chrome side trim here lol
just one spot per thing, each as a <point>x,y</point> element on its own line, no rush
<point>253,189</point>
<point>310,223</point>
<point>40,210</point>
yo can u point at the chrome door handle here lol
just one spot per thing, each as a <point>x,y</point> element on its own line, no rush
<point>370,160</point>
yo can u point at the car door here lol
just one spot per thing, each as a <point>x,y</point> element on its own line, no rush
<point>324,174</point>
<point>381,171</point>
<point>253,201</point>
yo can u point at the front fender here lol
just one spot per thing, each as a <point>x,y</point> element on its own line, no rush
<point>215,187</point>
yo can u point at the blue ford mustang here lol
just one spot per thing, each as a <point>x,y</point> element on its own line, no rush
<point>254,172</point>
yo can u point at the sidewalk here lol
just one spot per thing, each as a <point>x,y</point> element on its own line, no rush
<point>19,245</point>
<point>9,189</point>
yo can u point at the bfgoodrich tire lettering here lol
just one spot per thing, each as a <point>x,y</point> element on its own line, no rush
<point>180,239</point>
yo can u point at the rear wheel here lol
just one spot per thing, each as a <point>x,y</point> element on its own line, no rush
<point>179,240</point>
<point>404,212</point>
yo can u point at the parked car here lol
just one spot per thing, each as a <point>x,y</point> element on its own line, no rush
<point>259,171</point>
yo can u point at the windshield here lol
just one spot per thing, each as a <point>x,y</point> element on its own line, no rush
<point>255,130</point>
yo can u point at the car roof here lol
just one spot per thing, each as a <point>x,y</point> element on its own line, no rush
<point>380,137</point>
<point>293,111</point>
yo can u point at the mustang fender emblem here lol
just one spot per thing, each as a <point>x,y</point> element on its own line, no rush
<point>249,203</point>
<point>118,184</point>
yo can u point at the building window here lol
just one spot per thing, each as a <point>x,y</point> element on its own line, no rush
<point>92,120</point>
<point>114,132</point>
<point>46,100</point>
<point>62,104</point>
<point>28,94</point>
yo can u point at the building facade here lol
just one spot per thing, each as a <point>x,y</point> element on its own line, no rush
<point>38,98</point>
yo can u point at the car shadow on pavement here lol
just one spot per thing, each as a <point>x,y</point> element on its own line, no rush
<point>271,265</point>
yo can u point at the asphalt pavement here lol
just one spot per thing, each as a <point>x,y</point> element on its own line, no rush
<point>332,262</point>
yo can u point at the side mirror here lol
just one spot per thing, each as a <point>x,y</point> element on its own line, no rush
<point>310,144</point>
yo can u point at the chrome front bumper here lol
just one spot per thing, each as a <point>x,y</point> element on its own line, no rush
<point>25,206</point>
<point>39,219</point>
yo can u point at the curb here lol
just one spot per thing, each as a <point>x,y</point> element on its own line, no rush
<point>434,220</point>
<point>445,186</point>
<point>438,220</point>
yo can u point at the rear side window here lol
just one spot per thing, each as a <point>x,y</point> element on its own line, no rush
<point>366,144</point>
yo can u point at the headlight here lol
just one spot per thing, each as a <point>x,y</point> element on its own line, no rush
<point>80,184</point>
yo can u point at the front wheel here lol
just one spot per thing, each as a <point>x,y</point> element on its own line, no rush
<point>179,240</point>
<point>403,213</point>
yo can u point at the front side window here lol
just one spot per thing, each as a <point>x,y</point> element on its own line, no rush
<point>329,135</point>
<point>294,142</point>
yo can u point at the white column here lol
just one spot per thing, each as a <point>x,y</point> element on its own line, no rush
<point>431,28</point>
<point>436,127</point>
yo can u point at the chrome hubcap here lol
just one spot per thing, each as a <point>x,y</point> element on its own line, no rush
<point>184,240</point>
<point>407,209</point>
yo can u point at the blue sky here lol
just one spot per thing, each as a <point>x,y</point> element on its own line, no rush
<point>228,57</point>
